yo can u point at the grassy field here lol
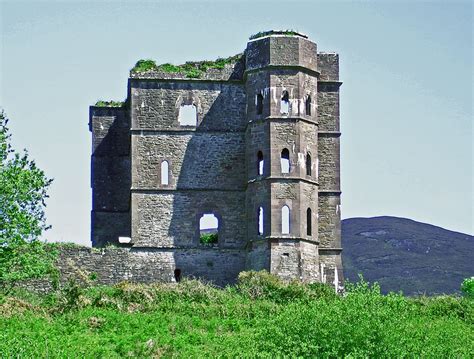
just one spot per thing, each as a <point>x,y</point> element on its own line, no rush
<point>259,317</point>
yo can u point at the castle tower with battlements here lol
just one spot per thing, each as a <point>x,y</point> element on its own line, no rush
<point>225,166</point>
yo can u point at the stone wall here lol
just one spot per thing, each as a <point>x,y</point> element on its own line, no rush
<point>171,218</point>
<point>328,66</point>
<point>197,160</point>
<point>113,265</point>
<point>155,105</point>
<point>329,169</point>
<point>110,174</point>
<point>329,220</point>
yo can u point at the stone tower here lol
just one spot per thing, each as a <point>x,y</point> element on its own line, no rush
<point>261,155</point>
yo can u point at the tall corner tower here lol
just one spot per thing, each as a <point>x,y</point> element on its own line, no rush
<point>282,155</point>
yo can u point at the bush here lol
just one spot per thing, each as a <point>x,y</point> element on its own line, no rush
<point>144,66</point>
<point>446,306</point>
<point>208,238</point>
<point>467,287</point>
<point>190,69</point>
<point>263,285</point>
<point>111,103</point>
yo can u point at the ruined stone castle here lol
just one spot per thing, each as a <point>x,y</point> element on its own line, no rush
<point>249,145</point>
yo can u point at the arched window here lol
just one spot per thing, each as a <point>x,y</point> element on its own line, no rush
<point>308,106</point>
<point>308,164</point>
<point>164,173</point>
<point>260,221</point>
<point>285,161</point>
<point>285,103</point>
<point>285,220</point>
<point>260,163</point>
<point>308,222</point>
<point>259,104</point>
<point>208,228</point>
<point>187,115</point>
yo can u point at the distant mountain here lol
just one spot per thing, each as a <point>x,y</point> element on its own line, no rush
<point>402,254</point>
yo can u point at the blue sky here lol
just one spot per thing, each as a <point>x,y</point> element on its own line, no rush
<point>406,101</point>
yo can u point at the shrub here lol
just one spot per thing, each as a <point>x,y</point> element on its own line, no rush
<point>191,69</point>
<point>111,103</point>
<point>263,285</point>
<point>134,293</point>
<point>144,66</point>
<point>446,306</point>
<point>208,238</point>
<point>467,287</point>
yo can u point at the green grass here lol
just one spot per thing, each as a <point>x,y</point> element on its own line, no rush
<point>259,317</point>
<point>189,69</point>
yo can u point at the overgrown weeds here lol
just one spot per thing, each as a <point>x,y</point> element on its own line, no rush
<point>259,316</point>
<point>190,69</point>
<point>276,32</point>
<point>111,103</point>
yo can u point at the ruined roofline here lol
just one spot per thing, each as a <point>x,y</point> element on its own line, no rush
<point>221,69</point>
<point>228,69</point>
<point>262,34</point>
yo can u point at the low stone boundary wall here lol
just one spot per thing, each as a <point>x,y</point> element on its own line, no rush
<point>109,266</point>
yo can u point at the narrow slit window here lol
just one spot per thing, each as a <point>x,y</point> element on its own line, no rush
<point>285,161</point>
<point>208,229</point>
<point>308,106</point>
<point>259,103</point>
<point>285,220</point>
<point>285,103</point>
<point>308,164</point>
<point>187,115</point>
<point>260,221</point>
<point>164,173</point>
<point>260,163</point>
<point>308,222</point>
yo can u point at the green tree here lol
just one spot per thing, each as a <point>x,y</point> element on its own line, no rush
<point>23,190</point>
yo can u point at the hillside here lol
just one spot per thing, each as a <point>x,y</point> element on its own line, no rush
<point>402,254</point>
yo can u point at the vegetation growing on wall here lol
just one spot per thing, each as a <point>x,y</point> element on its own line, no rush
<point>276,32</point>
<point>208,238</point>
<point>144,66</point>
<point>189,69</point>
<point>111,103</point>
<point>258,317</point>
